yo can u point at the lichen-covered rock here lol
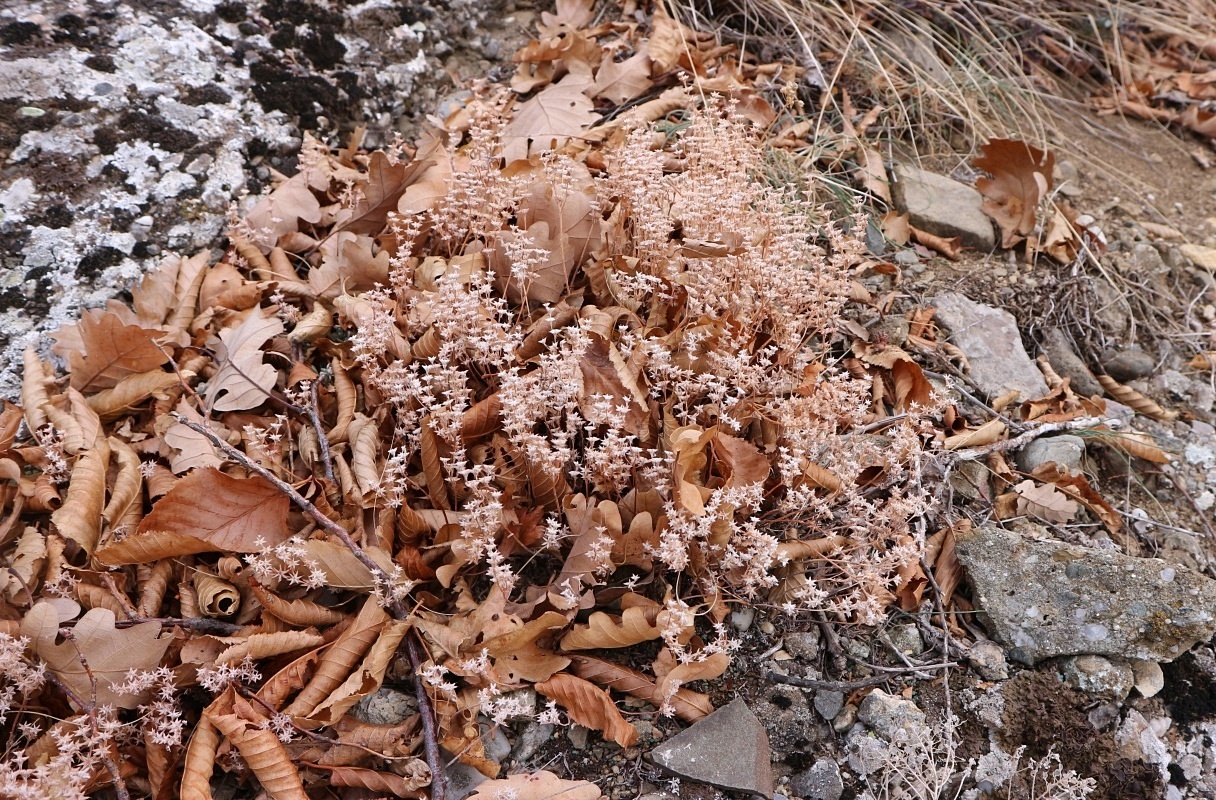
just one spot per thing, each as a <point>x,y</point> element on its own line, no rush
<point>1044,599</point>
<point>128,129</point>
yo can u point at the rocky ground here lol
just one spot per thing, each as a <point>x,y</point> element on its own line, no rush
<point>129,130</point>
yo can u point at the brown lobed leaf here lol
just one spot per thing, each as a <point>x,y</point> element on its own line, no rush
<point>535,786</point>
<point>243,381</point>
<point>1021,177</point>
<point>111,351</point>
<point>109,652</point>
<point>1045,501</point>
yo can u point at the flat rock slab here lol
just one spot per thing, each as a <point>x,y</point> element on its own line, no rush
<point>990,340</point>
<point>1045,599</point>
<point>728,749</point>
<point>942,206</point>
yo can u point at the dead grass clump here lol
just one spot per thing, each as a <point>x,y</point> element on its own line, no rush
<point>951,75</point>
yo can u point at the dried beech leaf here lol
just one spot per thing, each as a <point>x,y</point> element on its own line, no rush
<point>241,515</point>
<point>341,657</point>
<point>367,678</point>
<point>200,762</point>
<point>79,518</point>
<point>605,630</point>
<point>267,645</point>
<point>705,670</point>
<point>382,783</point>
<point>109,652</point>
<point>589,706</point>
<point>248,730</point>
<point>535,786</point>
<point>689,706</point>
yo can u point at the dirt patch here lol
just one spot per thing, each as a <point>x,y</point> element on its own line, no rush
<point>1046,716</point>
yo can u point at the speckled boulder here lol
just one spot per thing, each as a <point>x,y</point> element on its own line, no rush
<point>1044,599</point>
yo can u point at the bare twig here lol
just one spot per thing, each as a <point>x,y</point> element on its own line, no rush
<point>315,415</point>
<point>430,735</point>
<point>302,502</point>
<point>430,732</point>
<point>1023,439</point>
<point>90,709</point>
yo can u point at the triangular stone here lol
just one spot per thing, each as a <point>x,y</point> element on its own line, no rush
<point>728,749</point>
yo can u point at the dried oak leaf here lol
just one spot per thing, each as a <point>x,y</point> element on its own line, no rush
<point>535,786</point>
<point>240,515</point>
<point>1045,501</point>
<point>386,183</point>
<point>281,212</point>
<point>243,382</point>
<point>549,119</point>
<point>109,652</point>
<point>1021,177</point>
<point>589,706</point>
<point>573,14</point>
<point>621,81</point>
<point>170,291</point>
<point>110,351</point>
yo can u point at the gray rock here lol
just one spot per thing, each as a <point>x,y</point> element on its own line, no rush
<point>1045,599</point>
<point>990,340</point>
<point>988,659</point>
<point>385,707</point>
<point>820,782</point>
<point>803,645</point>
<point>942,206</point>
<point>887,715</point>
<point>1144,259</point>
<point>1068,364</point>
<point>742,618</point>
<point>906,639</point>
<point>534,735</point>
<point>829,702</point>
<point>787,719</point>
<point>495,741</point>
<point>1099,676</point>
<point>1065,450</point>
<point>728,749</point>
<point>1149,678</point>
<point>577,734</point>
<point>1198,394</point>
<point>1129,364</point>
<point>459,779</point>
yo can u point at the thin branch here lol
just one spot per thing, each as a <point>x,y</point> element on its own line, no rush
<point>302,502</point>
<point>430,732</point>
<point>1005,445</point>
<point>315,415</point>
<point>430,735</point>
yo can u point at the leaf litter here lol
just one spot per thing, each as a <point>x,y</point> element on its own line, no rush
<point>551,385</point>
